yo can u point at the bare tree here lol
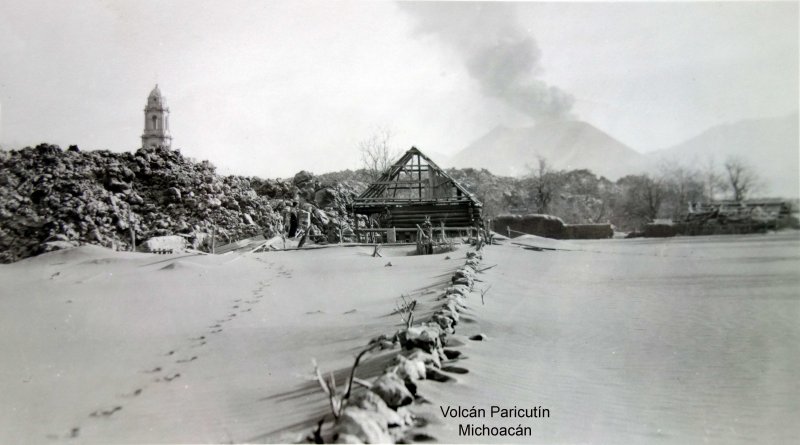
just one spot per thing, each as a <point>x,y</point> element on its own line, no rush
<point>641,199</point>
<point>682,185</point>
<point>376,152</point>
<point>742,179</point>
<point>545,185</point>
<point>713,181</point>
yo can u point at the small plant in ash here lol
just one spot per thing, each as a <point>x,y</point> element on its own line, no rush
<point>338,398</point>
<point>405,307</point>
<point>484,292</point>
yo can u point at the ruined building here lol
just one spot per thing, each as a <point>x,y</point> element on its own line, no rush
<point>414,192</point>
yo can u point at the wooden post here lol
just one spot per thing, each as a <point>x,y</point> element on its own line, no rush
<point>508,229</point>
<point>372,236</point>
<point>355,223</point>
<point>431,194</point>
<point>213,238</point>
<point>419,174</point>
<point>133,234</point>
<point>391,235</point>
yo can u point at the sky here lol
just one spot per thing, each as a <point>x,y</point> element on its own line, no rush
<point>269,88</point>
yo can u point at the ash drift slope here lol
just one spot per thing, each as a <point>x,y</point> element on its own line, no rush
<point>636,341</point>
<point>110,347</point>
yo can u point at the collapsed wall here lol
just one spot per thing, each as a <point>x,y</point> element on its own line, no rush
<point>588,231</point>
<point>550,227</point>
<point>659,230</point>
<point>534,224</point>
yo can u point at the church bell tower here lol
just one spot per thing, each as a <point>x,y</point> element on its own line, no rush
<point>156,121</point>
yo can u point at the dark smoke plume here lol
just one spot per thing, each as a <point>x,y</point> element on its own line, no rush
<point>497,52</point>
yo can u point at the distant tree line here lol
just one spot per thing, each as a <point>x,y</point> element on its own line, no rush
<point>581,197</point>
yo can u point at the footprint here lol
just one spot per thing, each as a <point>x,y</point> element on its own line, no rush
<point>247,310</point>
<point>172,377</point>
<point>105,413</point>
<point>216,331</point>
<point>154,370</point>
<point>170,353</point>
<point>202,337</point>
<point>187,360</point>
<point>135,393</point>
<point>199,344</point>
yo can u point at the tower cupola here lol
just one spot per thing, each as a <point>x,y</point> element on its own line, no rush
<point>156,121</point>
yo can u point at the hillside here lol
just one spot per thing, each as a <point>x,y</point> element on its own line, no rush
<point>770,145</point>
<point>566,145</point>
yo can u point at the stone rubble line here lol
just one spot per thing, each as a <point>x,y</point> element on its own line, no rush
<point>379,414</point>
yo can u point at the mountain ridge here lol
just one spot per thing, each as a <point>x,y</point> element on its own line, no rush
<point>565,144</point>
<point>770,145</point>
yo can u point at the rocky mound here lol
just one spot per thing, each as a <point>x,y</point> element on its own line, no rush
<point>50,198</point>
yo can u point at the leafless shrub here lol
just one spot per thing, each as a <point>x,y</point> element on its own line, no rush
<point>338,398</point>
<point>376,152</point>
<point>405,307</point>
<point>484,292</point>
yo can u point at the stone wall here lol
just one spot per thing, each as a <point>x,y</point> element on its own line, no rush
<point>380,414</point>
<point>550,227</point>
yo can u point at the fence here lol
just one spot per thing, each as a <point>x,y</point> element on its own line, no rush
<point>409,235</point>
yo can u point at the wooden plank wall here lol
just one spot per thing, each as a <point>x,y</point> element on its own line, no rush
<point>453,216</point>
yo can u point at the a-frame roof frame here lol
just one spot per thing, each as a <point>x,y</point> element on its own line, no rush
<point>374,192</point>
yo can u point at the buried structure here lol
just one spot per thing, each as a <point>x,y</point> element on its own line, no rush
<point>413,193</point>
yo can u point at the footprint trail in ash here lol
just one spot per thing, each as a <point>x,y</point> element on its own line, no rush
<point>161,375</point>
